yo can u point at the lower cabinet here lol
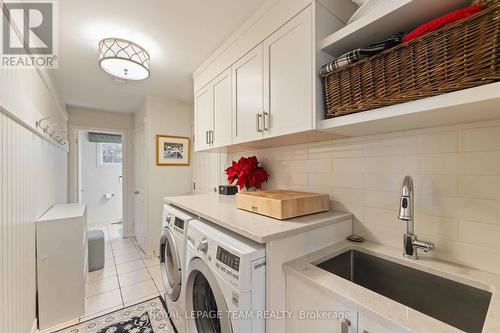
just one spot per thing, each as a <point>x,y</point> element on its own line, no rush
<point>314,311</point>
<point>371,325</point>
<point>61,257</point>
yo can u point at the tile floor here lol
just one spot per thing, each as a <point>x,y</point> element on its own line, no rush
<point>129,277</point>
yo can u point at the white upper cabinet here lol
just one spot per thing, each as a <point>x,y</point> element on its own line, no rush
<point>273,88</point>
<point>222,97</point>
<point>288,66</point>
<point>203,113</point>
<point>212,108</point>
<point>248,97</point>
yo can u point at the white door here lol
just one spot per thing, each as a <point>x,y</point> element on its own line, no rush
<point>287,77</point>
<point>140,186</point>
<point>247,96</point>
<point>203,113</point>
<point>221,92</point>
<point>101,180</point>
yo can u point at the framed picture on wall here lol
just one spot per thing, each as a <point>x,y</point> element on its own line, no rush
<point>172,150</point>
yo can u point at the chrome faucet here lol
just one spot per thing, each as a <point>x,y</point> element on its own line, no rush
<point>410,244</point>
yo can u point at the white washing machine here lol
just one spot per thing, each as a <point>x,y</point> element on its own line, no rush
<point>172,260</point>
<point>226,281</point>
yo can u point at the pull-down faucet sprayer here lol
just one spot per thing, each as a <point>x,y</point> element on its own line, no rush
<point>411,244</point>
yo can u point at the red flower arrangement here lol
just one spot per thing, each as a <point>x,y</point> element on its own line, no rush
<point>248,172</point>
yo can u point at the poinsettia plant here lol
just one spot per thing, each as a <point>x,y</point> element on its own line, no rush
<point>248,173</point>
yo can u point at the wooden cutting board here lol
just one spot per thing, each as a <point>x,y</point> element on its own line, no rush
<point>282,204</point>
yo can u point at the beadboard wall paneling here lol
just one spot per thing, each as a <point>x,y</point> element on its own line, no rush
<point>456,171</point>
<point>32,178</point>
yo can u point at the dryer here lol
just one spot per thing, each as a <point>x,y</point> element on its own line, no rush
<point>225,284</point>
<point>172,263</point>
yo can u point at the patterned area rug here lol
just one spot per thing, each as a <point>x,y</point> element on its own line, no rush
<point>146,317</point>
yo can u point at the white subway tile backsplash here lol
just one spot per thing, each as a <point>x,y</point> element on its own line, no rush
<point>341,165</point>
<point>308,166</point>
<point>480,233</point>
<point>479,257</point>
<point>438,185</point>
<point>299,179</point>
<point>383,218</point>
<point>480,210</point>
<point>437,206</point>
<point>382,235</point>
<point>435,226</point>
<point>446,163</point>
<point>340,151</point>
<point>482,163</point>
<point>480,187</point>
<point>349,180</point>
<point>456,172</point>
<point>390,147</point>
<point>389,183</point>
<point>355,210</point>
<point>480,139</point>
<point>383,165</point>
<point>380,199</point>
<point>442,142</point>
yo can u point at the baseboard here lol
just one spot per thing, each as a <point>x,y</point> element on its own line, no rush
<point>60,326</point>
<point>34,328</point>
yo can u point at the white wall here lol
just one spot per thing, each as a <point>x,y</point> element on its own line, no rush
<point>456,171</point>
<point>96,181</point>
<point>166,117</point>
<point>33,177</point>
<point>84,118</point>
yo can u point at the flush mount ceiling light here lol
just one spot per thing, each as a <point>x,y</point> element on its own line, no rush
<point>124,59</point>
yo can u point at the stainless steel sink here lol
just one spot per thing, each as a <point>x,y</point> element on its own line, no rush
<point>456,304</point>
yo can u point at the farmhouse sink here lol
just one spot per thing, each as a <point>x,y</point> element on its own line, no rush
<point>456,304</point>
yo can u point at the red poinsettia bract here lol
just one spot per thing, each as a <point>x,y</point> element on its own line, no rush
<point>247,172</point>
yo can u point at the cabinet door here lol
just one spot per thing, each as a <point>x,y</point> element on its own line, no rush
<point>221,94</point>
<point>203,113</point>
<point>315,311</point>
<point>369,325</point>
<point>288,77</point>
<point>247,96</point>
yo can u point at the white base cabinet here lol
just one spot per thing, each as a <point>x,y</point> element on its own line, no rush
<point>315,311</point>
<point>61,244</point>
<point>307,303</point>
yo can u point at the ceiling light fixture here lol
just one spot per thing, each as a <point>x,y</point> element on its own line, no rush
<point>124,59</point>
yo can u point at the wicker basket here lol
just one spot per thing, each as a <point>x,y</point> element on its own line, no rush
<point>461,55</point>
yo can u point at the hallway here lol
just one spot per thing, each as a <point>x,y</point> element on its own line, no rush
<point>127,278</point>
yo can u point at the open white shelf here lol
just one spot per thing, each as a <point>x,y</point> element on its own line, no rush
<point>399,15</point>
<point>464,106</point>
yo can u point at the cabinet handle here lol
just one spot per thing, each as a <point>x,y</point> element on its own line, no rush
<point>344,325</point>
<point>212,137</point>
<point>264,115</point>
<point>258,122</point>
<point>206,137</point>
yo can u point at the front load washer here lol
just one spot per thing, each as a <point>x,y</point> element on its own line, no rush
<point>172,262</point>
<point>226,281</point>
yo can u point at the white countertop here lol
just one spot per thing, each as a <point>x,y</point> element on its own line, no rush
<point>221,210</point>
<point>63,211</point>
<point>392,312</point>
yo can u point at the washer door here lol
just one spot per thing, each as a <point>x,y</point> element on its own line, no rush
<point>205,301</point>
<point>170,265</point>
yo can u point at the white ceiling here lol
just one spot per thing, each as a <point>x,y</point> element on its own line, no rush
<point>178,34</point>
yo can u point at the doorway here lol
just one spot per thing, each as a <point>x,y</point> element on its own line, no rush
<point>100,178</point>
